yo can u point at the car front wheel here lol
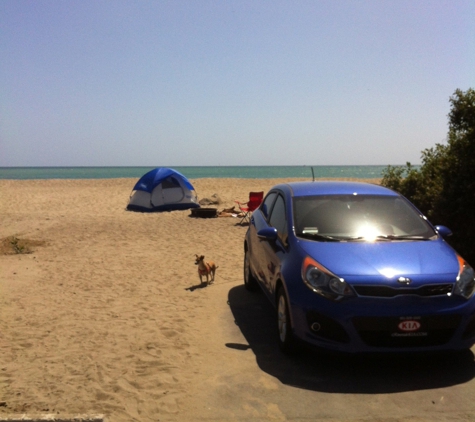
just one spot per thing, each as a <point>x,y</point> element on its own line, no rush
<point>286,339</point>
<point>250,282</point>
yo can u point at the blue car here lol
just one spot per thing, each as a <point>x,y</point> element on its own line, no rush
<point>355,267</point>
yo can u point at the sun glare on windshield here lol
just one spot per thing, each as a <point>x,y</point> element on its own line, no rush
<point>368,232</point>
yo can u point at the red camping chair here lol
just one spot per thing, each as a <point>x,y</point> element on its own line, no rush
<point>255,199</point>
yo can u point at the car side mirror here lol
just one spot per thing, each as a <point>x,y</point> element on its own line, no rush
<point>443,231</point>
<point>268,233</point>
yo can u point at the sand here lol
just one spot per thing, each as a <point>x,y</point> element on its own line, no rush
<point>106,316</point>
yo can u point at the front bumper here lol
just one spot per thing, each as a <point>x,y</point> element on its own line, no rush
<point>394,325</point>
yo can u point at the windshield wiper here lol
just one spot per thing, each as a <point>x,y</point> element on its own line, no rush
<point>317,236</point>
<point>401,237</point>
<point>382,237</point>
<point>310,235</point>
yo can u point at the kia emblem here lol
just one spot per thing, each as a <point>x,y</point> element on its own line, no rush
<point>409,325</point>
<point>404,280</point>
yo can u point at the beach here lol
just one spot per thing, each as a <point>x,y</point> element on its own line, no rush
<point>102,313</point>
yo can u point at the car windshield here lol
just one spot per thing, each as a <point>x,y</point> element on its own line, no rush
<point>359,218</point>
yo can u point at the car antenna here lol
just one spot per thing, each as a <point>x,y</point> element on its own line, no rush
<point>313,175</point>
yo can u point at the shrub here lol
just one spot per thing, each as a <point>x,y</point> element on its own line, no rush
<point>444,186</point>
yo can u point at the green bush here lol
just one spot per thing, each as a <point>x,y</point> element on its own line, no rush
<point>444,186</point>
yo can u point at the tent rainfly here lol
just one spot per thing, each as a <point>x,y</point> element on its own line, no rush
<point>162,189</point>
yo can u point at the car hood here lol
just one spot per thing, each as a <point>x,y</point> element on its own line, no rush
<point>408,258</point>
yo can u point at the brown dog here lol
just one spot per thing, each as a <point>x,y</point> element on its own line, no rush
<point>205,269</point>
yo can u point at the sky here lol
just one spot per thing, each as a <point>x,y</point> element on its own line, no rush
<point>229,82</point>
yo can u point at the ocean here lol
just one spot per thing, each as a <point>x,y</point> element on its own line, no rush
<point>245,172</point>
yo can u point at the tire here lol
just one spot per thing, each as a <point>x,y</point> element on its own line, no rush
<point>250,282</point>
<point>287,342</point>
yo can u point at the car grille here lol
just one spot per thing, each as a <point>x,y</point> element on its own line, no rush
<point>386,291</point>
<point>384,332</point>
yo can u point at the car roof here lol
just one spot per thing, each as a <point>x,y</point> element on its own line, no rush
<point>334,188</point>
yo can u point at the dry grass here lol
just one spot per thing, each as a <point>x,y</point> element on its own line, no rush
<point>12,245</point>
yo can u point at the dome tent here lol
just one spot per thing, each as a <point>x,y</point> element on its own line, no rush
<point>162,189</point>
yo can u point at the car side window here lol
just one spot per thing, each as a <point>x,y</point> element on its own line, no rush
<point>278,218</point>
<point>267,204</point>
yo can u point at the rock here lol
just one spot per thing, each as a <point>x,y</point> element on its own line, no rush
<point>214,200</point>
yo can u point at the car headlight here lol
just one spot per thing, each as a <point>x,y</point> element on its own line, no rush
<point>323,281</point>
<point>465,283</point>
